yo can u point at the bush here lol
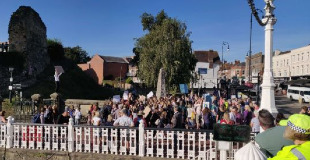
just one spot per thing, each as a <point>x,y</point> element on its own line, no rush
<point>55,49</point>
<point>12,59</point>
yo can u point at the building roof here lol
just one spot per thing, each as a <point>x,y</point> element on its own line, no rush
<point>113,59</point>
<point>285,52</point>
<point>207,56</point>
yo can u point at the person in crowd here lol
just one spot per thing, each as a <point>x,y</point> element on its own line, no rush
<point>255,123</point>
<point>270,140</point>
<point>152,118</point>
<point>198,113</point>
<point>63,118</point>
<point>139,117</point>
<point>109,121</point>
<point>232,114</point>
<point>162,121</point>
<point>77,116</point>
<point>207,118</point>
<point>2,117</point>
<point>124,120</point>
<point>247,115</point>
<point>54,114</point>
<point>280,116</point>
<point>304,110</point>
<point>96,121</point>
<point>220,113</point>
<point>298,130</point>
<point>42,119</point>
<point>226,119</point>
<point>176,120</point>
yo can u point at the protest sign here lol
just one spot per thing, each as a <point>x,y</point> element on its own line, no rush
<point>116,98</point>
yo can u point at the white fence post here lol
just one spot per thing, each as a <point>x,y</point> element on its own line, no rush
<point>141,139</point>
<point>9,133</point>
<point>70,136</point>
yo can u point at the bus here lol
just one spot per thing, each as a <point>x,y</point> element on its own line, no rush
<point>295,92</point>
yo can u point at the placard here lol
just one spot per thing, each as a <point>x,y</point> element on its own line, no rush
<point>116,98</point>
<point>184,88</point>
<point>206,105</point>
<point>125,95</point>
<point>236,133</point>
<point>151,94</point>
<point>59,69</point>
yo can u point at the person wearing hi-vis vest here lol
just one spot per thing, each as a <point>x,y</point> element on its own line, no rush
<point>298,130</point>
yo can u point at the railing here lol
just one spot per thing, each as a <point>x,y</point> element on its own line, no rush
<point>151,142</point>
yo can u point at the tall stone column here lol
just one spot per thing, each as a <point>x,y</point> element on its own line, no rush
<point>268,98</point>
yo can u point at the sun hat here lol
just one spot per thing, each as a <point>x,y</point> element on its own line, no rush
<point>298,122</point>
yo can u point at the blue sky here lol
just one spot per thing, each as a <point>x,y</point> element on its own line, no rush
<point>108,27</point>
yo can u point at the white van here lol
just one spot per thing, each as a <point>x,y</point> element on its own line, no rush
<point>294,93</point>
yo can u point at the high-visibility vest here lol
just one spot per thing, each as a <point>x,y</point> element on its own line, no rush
<point>294,152</point>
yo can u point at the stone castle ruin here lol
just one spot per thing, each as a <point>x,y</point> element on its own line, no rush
<point>27,35</point>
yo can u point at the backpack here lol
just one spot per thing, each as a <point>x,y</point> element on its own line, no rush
<point>36,118</point>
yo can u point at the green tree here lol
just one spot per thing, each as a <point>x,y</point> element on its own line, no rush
<point>76,54</point>
<point>165,45</point>
<point>55,49</point>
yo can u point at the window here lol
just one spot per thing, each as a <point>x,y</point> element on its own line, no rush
<point>277,63</point>
<point>297,57</point>
<point>283,62</point>
<point>308,68</point>
<point>243,72</point>
<point>297,70</point>
<point>302,69</point>
<point>302,56</point>
<point>287,61</point>
<point>293,58</point>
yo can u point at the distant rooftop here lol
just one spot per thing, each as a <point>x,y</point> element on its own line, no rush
<point>113,59</point>
<point>207,56</point>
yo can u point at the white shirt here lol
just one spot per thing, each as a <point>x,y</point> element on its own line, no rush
<point>77,114</point>
<point>57,77</point>
<point>232,116</point>
<point>123,121</point>
<point>96,121</point>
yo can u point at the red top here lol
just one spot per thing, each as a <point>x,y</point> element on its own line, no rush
<point>223,121</point>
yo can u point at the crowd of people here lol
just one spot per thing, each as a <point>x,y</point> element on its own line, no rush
<point>183,112</point>
<point>195,112</point>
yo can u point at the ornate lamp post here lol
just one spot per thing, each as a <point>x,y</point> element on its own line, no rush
<point>11,69</point>
<point>268,99</point>
<point>224,44</point>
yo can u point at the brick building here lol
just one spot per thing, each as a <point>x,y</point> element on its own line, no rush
<point>257,66</point>
<point>238,70</point>
<point>105,67</point>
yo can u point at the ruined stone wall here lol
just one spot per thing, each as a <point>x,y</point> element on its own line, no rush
<point>27,35</point>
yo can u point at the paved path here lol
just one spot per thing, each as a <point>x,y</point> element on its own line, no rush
<point>288,107</point>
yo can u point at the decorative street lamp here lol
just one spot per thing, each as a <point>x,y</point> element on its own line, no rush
<point>224,44</point>
<point>268,99</point>
<point>11,69</point>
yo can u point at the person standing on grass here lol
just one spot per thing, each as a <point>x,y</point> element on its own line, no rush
<point>57,80</point>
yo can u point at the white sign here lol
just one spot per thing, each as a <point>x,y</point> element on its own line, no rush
<point>116,98</point>
<point>233,96</point>
<point>59,69</point>
<point>125,95</point>
<point>151,94</point>
<point>206,105</point>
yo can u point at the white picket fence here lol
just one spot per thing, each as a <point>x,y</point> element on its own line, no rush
<point>184,144</point>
